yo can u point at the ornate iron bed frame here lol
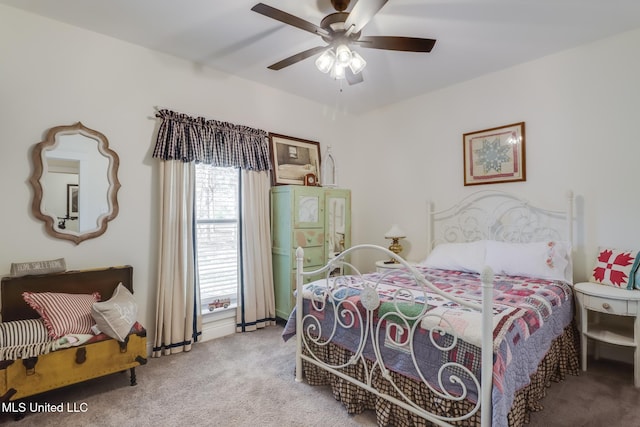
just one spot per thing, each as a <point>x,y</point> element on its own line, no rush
<point>482,215</point>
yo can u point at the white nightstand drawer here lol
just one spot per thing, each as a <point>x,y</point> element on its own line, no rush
<point>607,305</point>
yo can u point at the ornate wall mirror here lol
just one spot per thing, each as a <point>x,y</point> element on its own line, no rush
<point>75,182</point>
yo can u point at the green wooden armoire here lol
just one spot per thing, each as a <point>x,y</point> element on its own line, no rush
<point>315,218</point>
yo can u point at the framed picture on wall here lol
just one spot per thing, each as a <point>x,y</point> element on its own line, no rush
<point>72,200</point>
<point>494,155</point>
<point>293,160</point>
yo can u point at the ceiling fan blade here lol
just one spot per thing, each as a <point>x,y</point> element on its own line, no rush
<point>288,19</point>
<point>362,13</point>
<point>296,58</point>
<point>406,44</point>
<point>352,78</point>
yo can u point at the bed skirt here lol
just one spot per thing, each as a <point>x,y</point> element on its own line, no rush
<point>561,360</point>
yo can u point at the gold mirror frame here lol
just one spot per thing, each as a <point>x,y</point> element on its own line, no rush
<point>40,168</point>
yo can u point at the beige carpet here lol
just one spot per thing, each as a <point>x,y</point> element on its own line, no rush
<point>247,380</point>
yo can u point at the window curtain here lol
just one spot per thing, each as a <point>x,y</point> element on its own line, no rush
<point>256,306</point>
<point>182,142</point>
<point>178,319</point>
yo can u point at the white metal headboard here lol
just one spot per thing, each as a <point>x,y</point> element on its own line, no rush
<point>497,215</point>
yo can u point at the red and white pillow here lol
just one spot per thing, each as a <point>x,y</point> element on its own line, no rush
<point>615,267</point>
<point>63,313</point>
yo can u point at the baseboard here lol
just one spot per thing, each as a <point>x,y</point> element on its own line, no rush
<point>218,328</point>
<point>214,326</point>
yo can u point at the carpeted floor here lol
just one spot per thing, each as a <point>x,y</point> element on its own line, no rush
<point>247,380</point>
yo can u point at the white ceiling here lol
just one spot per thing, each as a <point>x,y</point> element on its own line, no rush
<point>475,37</point>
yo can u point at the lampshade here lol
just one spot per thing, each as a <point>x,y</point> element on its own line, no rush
<point>337,71</point>
<point>325,62</point>
<point>357,62</point>
<point>395,232</point>
<point>343,55</point>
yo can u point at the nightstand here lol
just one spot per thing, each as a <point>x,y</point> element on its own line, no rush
<point>381,266</point>
<point>599,303</point>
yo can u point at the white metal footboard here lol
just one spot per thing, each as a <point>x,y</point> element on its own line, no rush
<point>330,295</point>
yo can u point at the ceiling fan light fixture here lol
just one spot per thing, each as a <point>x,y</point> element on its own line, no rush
<point>357,62</point>
<point>325,62</point>
<point>341,30</point>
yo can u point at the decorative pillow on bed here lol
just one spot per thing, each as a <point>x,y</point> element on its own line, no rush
<point>615,267</point>
<point>38,267</point>
<point>63,313</point>
<point>116,316</point>
<point>544,260</point>
<point>467,256</point>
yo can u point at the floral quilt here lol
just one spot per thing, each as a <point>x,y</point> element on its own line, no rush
<point>528,314</point>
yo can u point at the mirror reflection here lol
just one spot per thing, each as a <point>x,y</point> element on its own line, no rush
<point>336,230</point>
<point>75,182</point>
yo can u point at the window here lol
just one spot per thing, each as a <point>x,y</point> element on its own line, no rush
<point>217,234</point>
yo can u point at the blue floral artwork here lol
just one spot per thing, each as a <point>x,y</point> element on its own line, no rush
<point>494,155</point>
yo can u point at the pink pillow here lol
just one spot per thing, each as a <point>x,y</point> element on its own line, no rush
<point>63,313</point>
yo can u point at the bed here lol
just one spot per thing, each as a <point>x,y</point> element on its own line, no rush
<point>425,343</point>
<point>46,340</point>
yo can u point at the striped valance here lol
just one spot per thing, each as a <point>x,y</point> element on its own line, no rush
<point>199,140</point>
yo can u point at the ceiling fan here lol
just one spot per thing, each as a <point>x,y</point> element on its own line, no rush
<point>341,30</point>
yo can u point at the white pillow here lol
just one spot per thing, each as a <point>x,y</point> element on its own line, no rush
<point>116,316</point>
<point>544,260</point>
<point>467,256</point>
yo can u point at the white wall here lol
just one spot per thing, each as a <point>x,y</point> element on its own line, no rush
<point>581,111</point>
<point>579,107</point>
<point>53,74</point>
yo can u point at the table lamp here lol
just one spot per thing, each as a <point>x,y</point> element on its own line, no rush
<point>395,233</point>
